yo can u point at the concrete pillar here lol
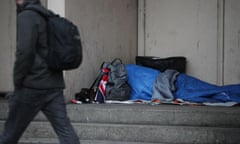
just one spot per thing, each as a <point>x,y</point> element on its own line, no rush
<point>58,6</point>
<point>7,43</point>
<point>232,42</point>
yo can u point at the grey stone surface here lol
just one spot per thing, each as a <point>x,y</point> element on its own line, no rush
<point>147,114</point>
<point>141,133</point>
<point>55,141</point>
<point>143,124</point>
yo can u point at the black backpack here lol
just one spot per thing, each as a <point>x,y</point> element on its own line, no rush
<point>65,48</point>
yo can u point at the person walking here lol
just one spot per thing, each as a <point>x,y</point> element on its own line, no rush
<point>36,87</point>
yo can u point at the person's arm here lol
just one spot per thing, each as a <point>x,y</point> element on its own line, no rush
<point>26,45</point>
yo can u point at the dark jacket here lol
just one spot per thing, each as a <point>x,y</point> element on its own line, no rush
<point>31,69</point>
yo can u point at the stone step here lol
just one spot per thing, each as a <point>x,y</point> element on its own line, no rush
<point>55,141</point>
<point>148,114</point>
<point>141,133</point>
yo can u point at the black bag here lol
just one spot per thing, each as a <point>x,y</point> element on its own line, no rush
<point>65,48</point>
<point>162,64</point>
<point>87,95</point>
<point>3,94</point>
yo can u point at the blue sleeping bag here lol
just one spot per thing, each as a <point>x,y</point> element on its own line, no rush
<point>141,80</point>
<point>194,90</point>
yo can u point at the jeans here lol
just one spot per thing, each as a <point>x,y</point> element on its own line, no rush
<point>26,103</point>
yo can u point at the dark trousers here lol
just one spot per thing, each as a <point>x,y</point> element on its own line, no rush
<point>26,104</point>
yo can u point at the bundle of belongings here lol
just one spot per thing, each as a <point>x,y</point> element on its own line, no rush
<point>110,85</point>
<point>156,81</point>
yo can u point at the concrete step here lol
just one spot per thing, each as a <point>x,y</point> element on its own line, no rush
<point>147,114</point>
<point>141,133</point>
<point>55,141</point>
